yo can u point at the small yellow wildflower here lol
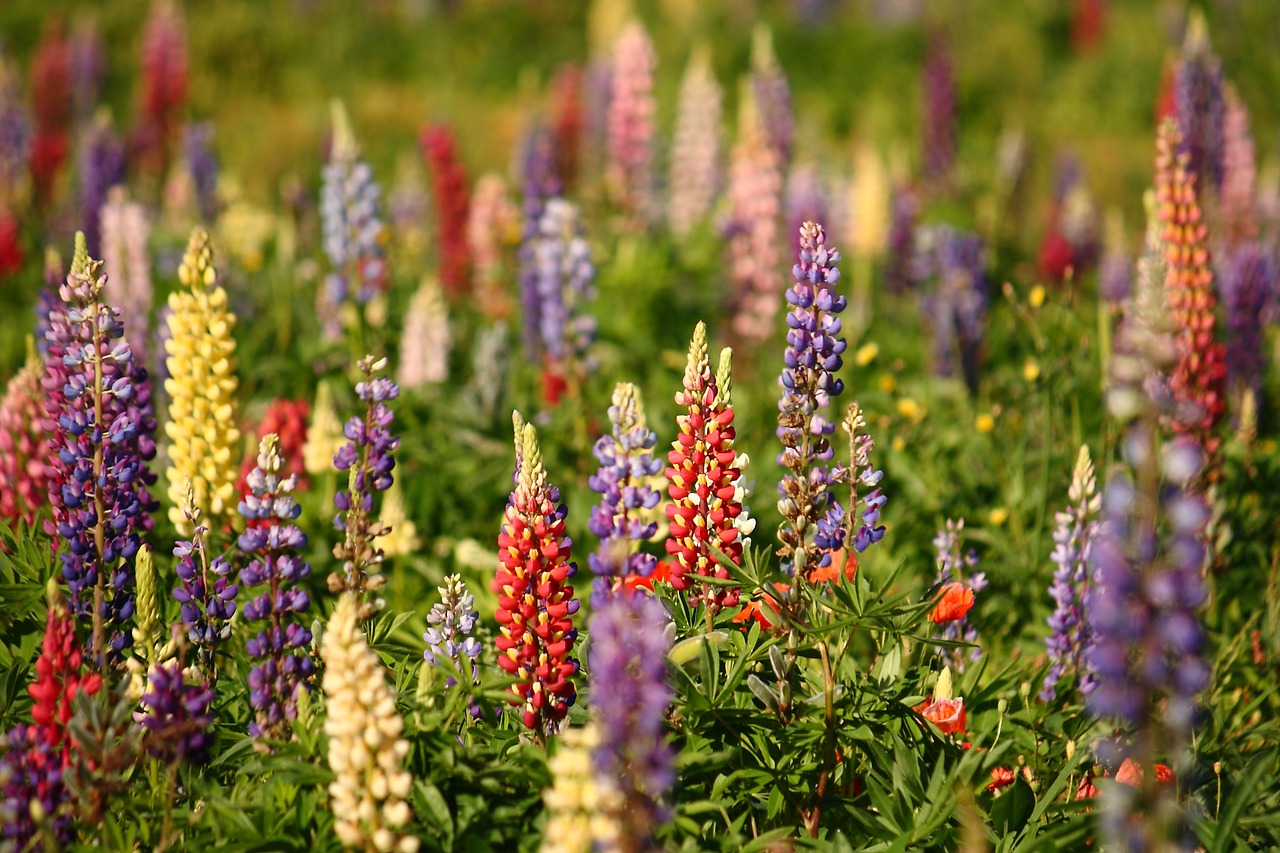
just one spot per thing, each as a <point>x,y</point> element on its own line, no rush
<point>888,383</point>
<point>1031,370</point>
<point>909,408</point>
<point>1036,297</point>
<point>984,422</point>
<point>898,444</point>
<point>998,516</point>
<point>866,354</point>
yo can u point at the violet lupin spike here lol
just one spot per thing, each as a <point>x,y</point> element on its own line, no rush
<point>627,464</point>
<point>812,359</point>
<point>205,592</point>
<point>274,576</point>
<point>100,420</point>
<point>368,458</point>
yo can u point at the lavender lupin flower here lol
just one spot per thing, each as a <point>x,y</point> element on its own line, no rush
<point>274,541</point>
<point>1247,286</point>
<point>205,592</point>
<point>1073,537</point>
<point>565,278</point>
<point>353,227</point>
<point>772,95</point>
<point>202,164</point>
<point>1200,103</point>
<point>177,715</point>
<point>952,564</point>
<point>451,621</point>
<point>101,168</point>
<point>31,784</point>
<point>627,465</point>
<point>836,529</point>
<point>101,424</point>
<point>812,359</point>
<point>631,698</point>
<point>904,209</point>
<point>939,119</point>
<point>367,456</point>
<point>806,201</point>
<point>541,184</point>
<point>15,133</point>
<point>957,306</point>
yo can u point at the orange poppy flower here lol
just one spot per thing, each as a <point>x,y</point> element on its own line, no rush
<point>752,609</point>
<point>955,601</point>
<point>831,572</point>
<point>946,714</point>
<point>661,574</point>
<point>1000,777</point>
<point>1130,773</point>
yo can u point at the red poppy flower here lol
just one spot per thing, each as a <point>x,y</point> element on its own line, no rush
<point>753,610</point>
<point>956,600</point>
<point>661,574</point>
<point>1130,773</point>
<point>946,714</point>
<point>832,571</point>
<point>1000,778</point>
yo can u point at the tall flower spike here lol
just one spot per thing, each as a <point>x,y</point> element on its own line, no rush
<point>755,204</point>
<point>366,750</point>
<point>424,346</point>
<point>146,633</point>
<point>202,384</point>
<point>1199,104</point>
<point>1073,542</point>
<point>453,201</point>
<point>201,162</point>
<point>164,83</point>
<point>125,231</point>
<point>952,563</point>
<point>741,485</point>
<point>703,485</point>
<point>288,420</point>
<point>15,134</point>
<point>632,110</point>
<point>535,602</point>
<point>628,665</point>
<point>1248,284</point>
<point>493,227</point>
<point>51,102</point>
<point>695,150</point>
<point>541,184</point>
<point>956,308</point>
<point>566,279</point>
<point>273,542</point>
<point>1199,375</point>
<point>1239,173</point>
<point>939,119</point>
<point>23,479</point>
<point>99,416</point>
<point>811,361</point>
<point>205,592</point>
<point>367,458</point>
<point>772,95</point>
<point>324,434</point>
<point>582,806</point>
<point>836,530</point>
<point>177,714</point>
<point>59,676</point>
<point>101,168</point>
<point>402,534</point>
<point>451,621</point>
<point>354,232</point>
<point>626,466</point>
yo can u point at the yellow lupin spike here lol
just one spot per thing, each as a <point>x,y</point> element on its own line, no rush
<point>532,475</point>
<point>629,409</point>
<point>698,362</point>
<point>202,385</point>
<point>724,379</point>
<point>324,434</point>
<point>80,256</point>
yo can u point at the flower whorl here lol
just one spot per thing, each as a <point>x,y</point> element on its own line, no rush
<point>202,428</point>
<point>703,483</point>
<point>535,602</point>
<point>631,123</point>
<point>98,412</point>
<point>695,151</point>
<point>1199,375</point>
<point>366,749</point>
<point>23,478</point>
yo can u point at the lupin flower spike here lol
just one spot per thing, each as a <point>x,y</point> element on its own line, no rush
<point>147,636</point>
<point>366,750</point>
<point>772,94</point>
<point>1247,286</point>
<point>59,676</point>
<point>1199,104</point>
<point>367,457</point>
<point>401,537</point>
<point>203,424</point>
<point>695,151</point>
<point>632,110</point>
<point>1239,173</point>
<point>324,434</point>
<point>566,278</point>
<point>836,530</point>
<point>354,232</point>
<point>125,231</point>
<point>424,346</point>
<point>98,407</point>
<point>493,226</point>
<point>541,184</point>
<point>23,479</point>
<point>628,665</point>
<point>755,203</point>
<point>451,621</point>
<point>273,541</point>
<point>178,714</point>
<point>535,601</point>
<point>1073,543</point>
<point>626,465</point>
<point>205,591</point>
<point>703,485</point>
<point>452,203</point>
<point>939,119</point>
<point>812,359</point>
<point>582,806</point>
<point>1199,375</point>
